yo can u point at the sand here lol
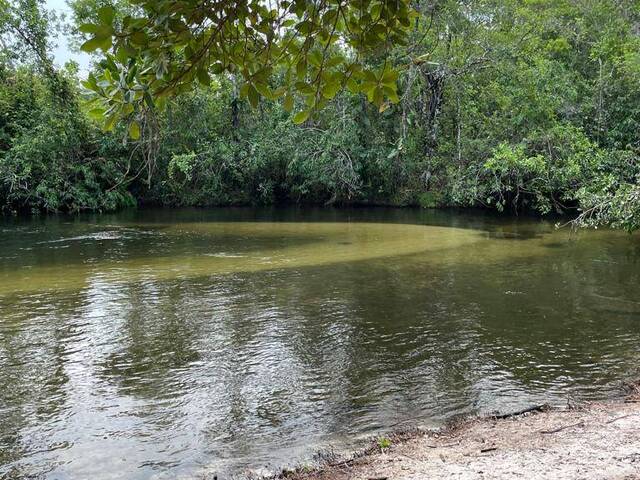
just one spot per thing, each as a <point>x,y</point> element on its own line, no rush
<point>596,441</point>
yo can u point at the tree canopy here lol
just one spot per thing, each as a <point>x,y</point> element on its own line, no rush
<point>517,106</point>
<point>161,47</point>
<point>24,34</point>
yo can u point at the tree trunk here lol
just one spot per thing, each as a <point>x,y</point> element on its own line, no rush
<point>432,106</point>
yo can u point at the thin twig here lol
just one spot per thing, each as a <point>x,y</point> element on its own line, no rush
<point>620,418</point>
<point>559,429</point>
<point>445,445</point>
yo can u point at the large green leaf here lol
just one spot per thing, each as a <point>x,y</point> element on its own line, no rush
<point>301,117</point>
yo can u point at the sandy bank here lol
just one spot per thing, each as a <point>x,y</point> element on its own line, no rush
<point>595,441</point>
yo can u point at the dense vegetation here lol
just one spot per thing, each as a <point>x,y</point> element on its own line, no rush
<point>513,105</point>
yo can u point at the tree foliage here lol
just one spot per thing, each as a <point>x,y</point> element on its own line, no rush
<point>515,106</point>
<point>52,158</point>
<point>315,47</point>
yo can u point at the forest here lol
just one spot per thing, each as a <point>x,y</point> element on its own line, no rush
<point>520,106</point>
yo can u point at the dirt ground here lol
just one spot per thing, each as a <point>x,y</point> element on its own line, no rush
<point>597,441</point>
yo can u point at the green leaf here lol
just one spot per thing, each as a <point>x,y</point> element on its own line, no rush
<point>330,90</point>
<point>127,109</point>
<point>217,68</point>
<point>90,83</point>
<point>353,86</point>
<point>334,61</point>
<point>389,77</point>
<point>391,93</point>
<point>301,117</point>
<point>177,25</point>
<point>139,38</point>
<point>110,123</point>
<point>304,88</point>
<point>106,14</point>
<point>315,58</point>
<point>134,130</point>
<point>305,27</point>
<point>368,87</point>
<point>301,69</point>
<point>378,97</point>
<point>96,114</point>
<point>203,77</point>
<point>95,43</point>
<point>264,90</point>
<point>288,103</point>
<point>88,28</point>
<point>122,55</point>
<point>254,96</point>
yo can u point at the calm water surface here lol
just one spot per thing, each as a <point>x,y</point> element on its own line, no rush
<point>172,344</point>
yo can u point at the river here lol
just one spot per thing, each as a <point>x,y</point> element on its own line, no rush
<point>179,343</point>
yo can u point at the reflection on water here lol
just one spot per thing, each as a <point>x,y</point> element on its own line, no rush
<point>172,344</point>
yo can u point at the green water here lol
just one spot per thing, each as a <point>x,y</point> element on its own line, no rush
<point>172,344</point>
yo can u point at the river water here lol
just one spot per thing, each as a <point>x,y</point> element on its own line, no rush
<point>182,343</point>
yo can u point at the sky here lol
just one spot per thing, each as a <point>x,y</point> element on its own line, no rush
<point>62,53</point>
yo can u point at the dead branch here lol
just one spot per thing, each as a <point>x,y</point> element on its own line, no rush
<point>489,449</point>
<point>620,418</point>
<point>559,429</point>
<point>536,408</point>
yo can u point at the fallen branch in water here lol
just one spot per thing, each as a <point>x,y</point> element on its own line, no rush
<point>559,429</point>
<point>536,408</point>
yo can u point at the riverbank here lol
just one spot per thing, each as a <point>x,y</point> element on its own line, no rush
<point>593,441</point>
